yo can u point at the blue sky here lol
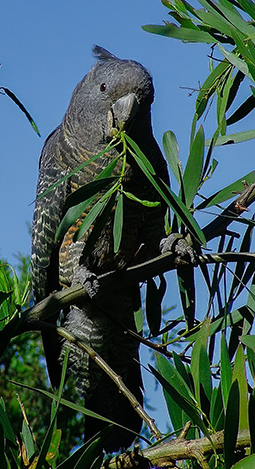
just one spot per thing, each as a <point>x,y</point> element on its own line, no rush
<point>46,50</point>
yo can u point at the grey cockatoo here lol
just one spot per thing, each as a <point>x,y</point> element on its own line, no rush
<point>114,91</point>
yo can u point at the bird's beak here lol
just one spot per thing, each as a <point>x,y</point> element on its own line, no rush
<point>123,110</point>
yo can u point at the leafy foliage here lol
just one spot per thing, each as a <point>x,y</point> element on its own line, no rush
<point>209,384</point>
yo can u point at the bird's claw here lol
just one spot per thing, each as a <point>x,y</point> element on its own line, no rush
<point>179,246</point>
<point>87,279</point>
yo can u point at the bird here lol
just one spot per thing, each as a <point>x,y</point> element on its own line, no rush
<point>115,93</point>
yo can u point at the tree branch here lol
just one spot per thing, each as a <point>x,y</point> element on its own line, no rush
<point>117,279</point>
<point>165,454</point>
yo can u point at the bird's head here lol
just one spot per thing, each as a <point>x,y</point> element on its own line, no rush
<point>111,96</point>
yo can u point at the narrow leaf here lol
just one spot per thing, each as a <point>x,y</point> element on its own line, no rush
<point>193,169</point>
<point>171,150</point>
<point>22,108</point>
<point>240,375</point>
<point>88,190</point>
<point>226,371</point>
<point>118,223</point>
<point>188,408</point>
<point>231,425</point>
<point>185,34</point>
<point>233,138</point>
<point>246,107</point>
<point>145,203</point>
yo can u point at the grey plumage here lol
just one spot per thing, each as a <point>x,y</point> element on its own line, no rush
<point>114,90</point>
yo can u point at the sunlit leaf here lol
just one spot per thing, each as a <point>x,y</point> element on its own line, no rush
<point>248,340</point>
<point>228,192</point>
<point>233,138</point>
<point>240,375</point>
<point>245,463</point>
<point>226,371</point>
<point>145,203</point>
<point>193,169</point>
<point>171,150</point>
<point>185,34</point>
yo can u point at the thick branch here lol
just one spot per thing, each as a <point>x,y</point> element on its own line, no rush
<point>116,279</point>
<point>165,454</point>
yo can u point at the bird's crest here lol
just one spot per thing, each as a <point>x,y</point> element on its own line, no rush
<point>102,54</point>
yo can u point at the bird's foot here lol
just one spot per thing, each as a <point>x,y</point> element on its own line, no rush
<point>87,279</point>
<point>179,246</point>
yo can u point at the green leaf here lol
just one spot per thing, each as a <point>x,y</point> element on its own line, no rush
<point>88,190</point>
<point>52,454</point>
<point>89,455</point>
<point>22,108</point>
<point>248,340</point>
<point>85,455</point>
<point>4,295</point>
<point>28,440</point>
<point>216,22</point>
<point>98,227</point>
<point>82,166</point>
<point>240,375</point>
<point>118,223</point>
<point>7,428</point>
<point>193,169</point>
<point>245,463</point>
<point>171,150</point>
<point>236,61</point>
<point>226,371</point>
<point>228,192</point>
<point>75,407</point>
<point>138,315</point>
<point>233,138</point>
<point>145,203</point>
<point>189,408</point>
<point>176,204</point>
<point>71,216</point>
<point>140,154</point>
<point>205,373</point>
<point>251,359</point>
<point>185,34</point>
<point>231,425</point>
<point>248,7</point>
<point>210,86</point>
<point>90,218</point>
<point>246,107</point>
<point>217,409</point>
<point>196,361</point>
<point>168,372</point>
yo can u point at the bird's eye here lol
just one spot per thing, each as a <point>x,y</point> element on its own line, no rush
<point>102,87</point>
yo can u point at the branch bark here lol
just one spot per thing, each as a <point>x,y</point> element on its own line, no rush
<point>114,280</point>
<point>167,453</point>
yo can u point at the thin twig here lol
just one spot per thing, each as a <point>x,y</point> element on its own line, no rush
<point>111,373</point>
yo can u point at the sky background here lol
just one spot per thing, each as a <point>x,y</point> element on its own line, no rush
<point>46,50</point>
